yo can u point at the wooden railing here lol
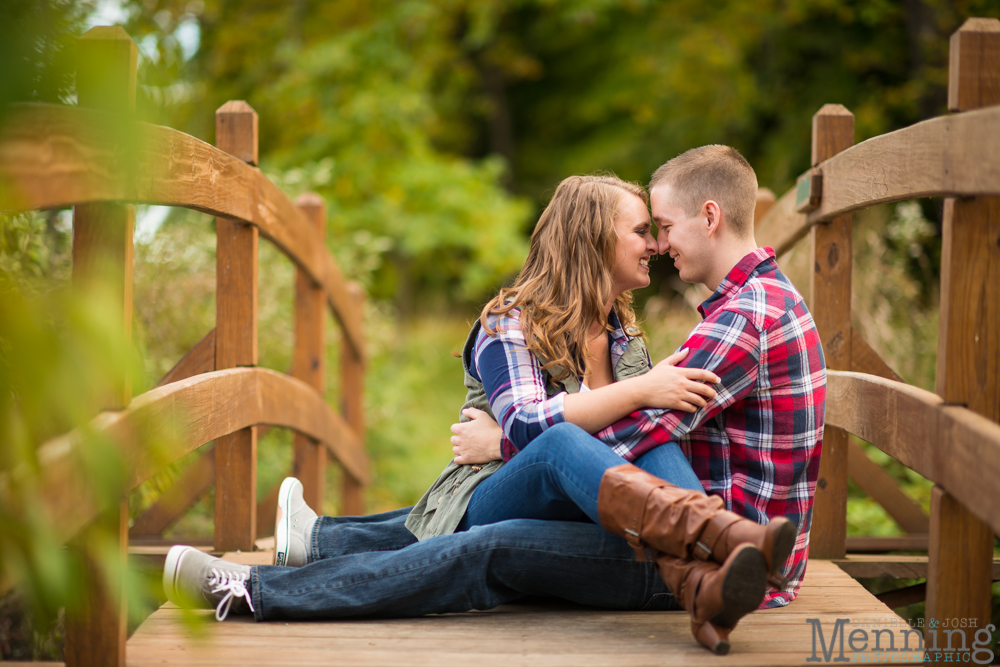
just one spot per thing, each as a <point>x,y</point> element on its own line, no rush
<point>951,437</point>
<point>97,159</point>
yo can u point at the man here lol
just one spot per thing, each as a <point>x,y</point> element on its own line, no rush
<point>755,448</point>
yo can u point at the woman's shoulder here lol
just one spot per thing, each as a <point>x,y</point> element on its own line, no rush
<point>502,325</point>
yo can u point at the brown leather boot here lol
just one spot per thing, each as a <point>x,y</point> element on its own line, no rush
<point>726,530</point>
<point>716,597</point>
<point>649,511</point>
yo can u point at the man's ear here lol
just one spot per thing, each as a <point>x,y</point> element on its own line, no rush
<point>713,216</point>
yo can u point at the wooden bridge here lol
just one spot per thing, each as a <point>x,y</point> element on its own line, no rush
<point>96,159</point>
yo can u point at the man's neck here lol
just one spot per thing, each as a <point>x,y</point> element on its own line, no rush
<point>728,257</point>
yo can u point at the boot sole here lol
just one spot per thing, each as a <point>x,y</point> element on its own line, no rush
<point>784,543</point>
<point>743,588</point>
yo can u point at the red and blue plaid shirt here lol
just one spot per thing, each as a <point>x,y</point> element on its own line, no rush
<point>757,443</point>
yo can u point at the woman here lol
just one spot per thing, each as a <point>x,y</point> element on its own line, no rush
<point>558,336</point>
<point>559,329</point>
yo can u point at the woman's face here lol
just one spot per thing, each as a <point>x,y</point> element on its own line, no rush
<point>634,247</point>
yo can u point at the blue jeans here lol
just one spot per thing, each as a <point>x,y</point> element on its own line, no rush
<point>480,568</point>
<point>373,566</point>
<point>558,475</point>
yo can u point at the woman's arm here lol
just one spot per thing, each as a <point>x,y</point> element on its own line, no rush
<point>515,386</point>
<point>665,386</point>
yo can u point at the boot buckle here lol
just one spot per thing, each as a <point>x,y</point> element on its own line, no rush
<point>706,552</point>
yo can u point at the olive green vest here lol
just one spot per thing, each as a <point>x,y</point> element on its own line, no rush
<point>442,507</point>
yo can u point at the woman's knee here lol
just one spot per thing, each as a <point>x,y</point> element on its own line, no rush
<point>558,439</point>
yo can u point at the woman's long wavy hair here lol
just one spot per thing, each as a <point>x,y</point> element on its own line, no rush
<point>565,282</point>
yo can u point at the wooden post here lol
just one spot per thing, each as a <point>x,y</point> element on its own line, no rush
<point>830,303</point>
<point>102,256</point>
<point>352,389</point>
<point>236,341</point>
<point>968,362</point>
<point>309,359</point>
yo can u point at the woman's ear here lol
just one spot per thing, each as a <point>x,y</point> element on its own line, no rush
<point>713,216</point>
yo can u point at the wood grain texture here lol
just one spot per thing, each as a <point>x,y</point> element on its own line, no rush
<point>968,358</point>
<point>236,130</point>
<point>106,69</point>
<point>765,202</point>
<point>309,359</point>
<point>202,408</point>
<point>866,360</point>
<point>236,490</point>
<point>199,359</point>
<point>884,490</point>
<point>950,445</point>
<point>236,345</point>
<point>537,635</point>
<point>103,256</point>
<point>352,393</point>
<point>830,304</point>
<point>782,226</point>
<point>103,260</point>
<point>884,545</point>
<point>175,501</point>
<point>96,633</point>
<point>974,65</point>
<point>950,155</point>
<point>968,361</point>
<point>959,570</point>
<point>53,156</point>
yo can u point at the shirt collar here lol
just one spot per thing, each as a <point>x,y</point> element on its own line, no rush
<point>619,339</point>
<point>732,283</point>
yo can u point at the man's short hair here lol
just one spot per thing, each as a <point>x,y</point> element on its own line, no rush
<point>713,172</point>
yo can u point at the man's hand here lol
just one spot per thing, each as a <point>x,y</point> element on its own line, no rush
<point>476,441</point>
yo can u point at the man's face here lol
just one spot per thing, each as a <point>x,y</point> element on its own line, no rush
<point>684,239</point>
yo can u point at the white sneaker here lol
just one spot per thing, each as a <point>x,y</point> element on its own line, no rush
<point>192,578</point>
<point>293,524</point>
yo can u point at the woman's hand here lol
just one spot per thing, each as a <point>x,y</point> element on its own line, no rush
<point>476,441</point>
<point>676,388</point>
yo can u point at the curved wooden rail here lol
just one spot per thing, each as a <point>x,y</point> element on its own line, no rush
<point>54,156</point>
<point>782,227</point>
<point>955,155</point>
<point>950,445</point>
<point>201,408</point>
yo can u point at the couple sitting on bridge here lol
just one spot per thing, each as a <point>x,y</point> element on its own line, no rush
<point>619,519</point>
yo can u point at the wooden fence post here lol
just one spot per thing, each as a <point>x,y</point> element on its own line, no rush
<point>236,341</point>
<point>102,254</point>
<point>309,360</point>
<point>968,362</point>
<point>352,389</point>
<point>830,303</point>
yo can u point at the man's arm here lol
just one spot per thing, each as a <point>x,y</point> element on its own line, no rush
<point>727,344</point>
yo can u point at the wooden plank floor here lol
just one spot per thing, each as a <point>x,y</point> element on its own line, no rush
<point>514,635</point>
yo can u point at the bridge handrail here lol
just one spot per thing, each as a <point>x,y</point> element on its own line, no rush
<point>951,156</point>
<point>52,156</point>
<point>203,408</point>
<point>948,444</point>
<point>951,437</point>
